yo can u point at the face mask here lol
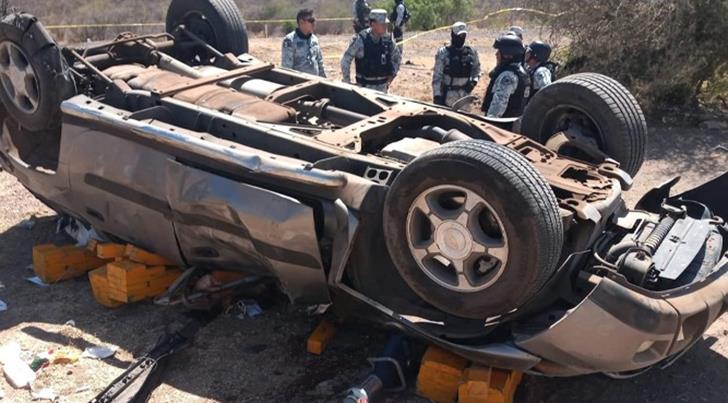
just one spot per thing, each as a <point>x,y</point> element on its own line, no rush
<point>457,40</point>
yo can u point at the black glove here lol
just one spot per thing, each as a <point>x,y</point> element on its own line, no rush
<point>438,100</point>
<point>470,86</point>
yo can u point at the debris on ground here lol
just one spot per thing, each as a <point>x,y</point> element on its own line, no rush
<point>317,310</point>
<point>76,230</point>
<point>3,306</point>
<point>39,361</point>
<point>137,382</point>
<point>43,394</point>
<point>37,281</point>
<point>99,352</point>
<point>248,309</point>
<point>16,371</point>
<point>320,337</point>
<point>65,356</point>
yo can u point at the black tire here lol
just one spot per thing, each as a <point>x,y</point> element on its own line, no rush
<point>517,194</point>
<point>615,118</point>
<point>24,41</point>
<point>217,22</point>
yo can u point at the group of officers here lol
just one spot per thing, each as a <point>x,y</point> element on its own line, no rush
<point>520,70</point>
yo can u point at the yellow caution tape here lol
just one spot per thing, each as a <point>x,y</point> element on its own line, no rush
<point>487,16</point>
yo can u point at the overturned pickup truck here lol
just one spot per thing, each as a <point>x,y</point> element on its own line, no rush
<point>512,250</point>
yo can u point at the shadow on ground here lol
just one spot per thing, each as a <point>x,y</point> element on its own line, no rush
<point>232,359</point>
<point>699,376</point>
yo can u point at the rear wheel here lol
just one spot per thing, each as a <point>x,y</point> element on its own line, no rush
<point>34,78</point>
<point>598,118</point>
<point>473,228</point>
<point>217,22</point>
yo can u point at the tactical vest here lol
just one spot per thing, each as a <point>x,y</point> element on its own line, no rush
<point>516,101</point>
<point>376,67</point>
<point>460,62</point>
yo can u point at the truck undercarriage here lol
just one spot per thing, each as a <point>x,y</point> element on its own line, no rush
<point>442,224</point>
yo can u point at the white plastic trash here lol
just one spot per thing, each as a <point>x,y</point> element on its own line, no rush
<point>18,373</point>
<point>98,352</point>
<point>43,394</point>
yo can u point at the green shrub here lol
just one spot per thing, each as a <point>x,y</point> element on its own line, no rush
<point>665,51</point>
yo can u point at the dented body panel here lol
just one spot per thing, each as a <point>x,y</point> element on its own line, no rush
<point>247,167</point>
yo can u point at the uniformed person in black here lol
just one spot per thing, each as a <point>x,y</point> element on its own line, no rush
<point>360,14</point>
<point>457,68</point>
<point>541,70</point>
<point>508,81</point>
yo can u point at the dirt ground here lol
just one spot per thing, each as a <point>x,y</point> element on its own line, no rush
<point>264,358</point>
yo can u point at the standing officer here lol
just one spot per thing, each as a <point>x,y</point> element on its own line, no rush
<point>541,70</point>
<point>360,13</point>
<point>375,55</point>
<point>457,68</point>
<point>508,81</point>
<point>301,50</point>
<point>400,16</point>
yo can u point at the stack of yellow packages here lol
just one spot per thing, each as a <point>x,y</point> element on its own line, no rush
<point>134,275</point>
<point>53,263</point>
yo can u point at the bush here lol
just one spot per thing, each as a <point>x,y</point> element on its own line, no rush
<point>428,14</point>
<point>665,51</point>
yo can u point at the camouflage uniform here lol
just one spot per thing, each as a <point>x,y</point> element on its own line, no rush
<point>506,91</point>
<point>505,96</point>
<point>302,54</point>
<point>453,88</point>
<point>356,52</point>
<point>540,78</point>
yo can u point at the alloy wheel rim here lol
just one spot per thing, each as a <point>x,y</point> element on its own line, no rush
<point>18,78</point>
<point>457,238</point>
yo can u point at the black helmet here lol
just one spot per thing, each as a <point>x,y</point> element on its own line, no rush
<point>516,30</point>
<point>509,45</point>
<point>539,50</point>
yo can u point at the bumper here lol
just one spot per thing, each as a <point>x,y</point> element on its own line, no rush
<point>621,328</point>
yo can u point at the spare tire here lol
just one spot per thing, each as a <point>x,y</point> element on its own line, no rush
<point>34,77</point>
<point>599,109</point>
<point>473,228</point>
<point>217,22</point>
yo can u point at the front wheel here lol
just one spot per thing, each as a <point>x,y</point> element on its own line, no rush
<point>473,228</point>
<point>597,115</point>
